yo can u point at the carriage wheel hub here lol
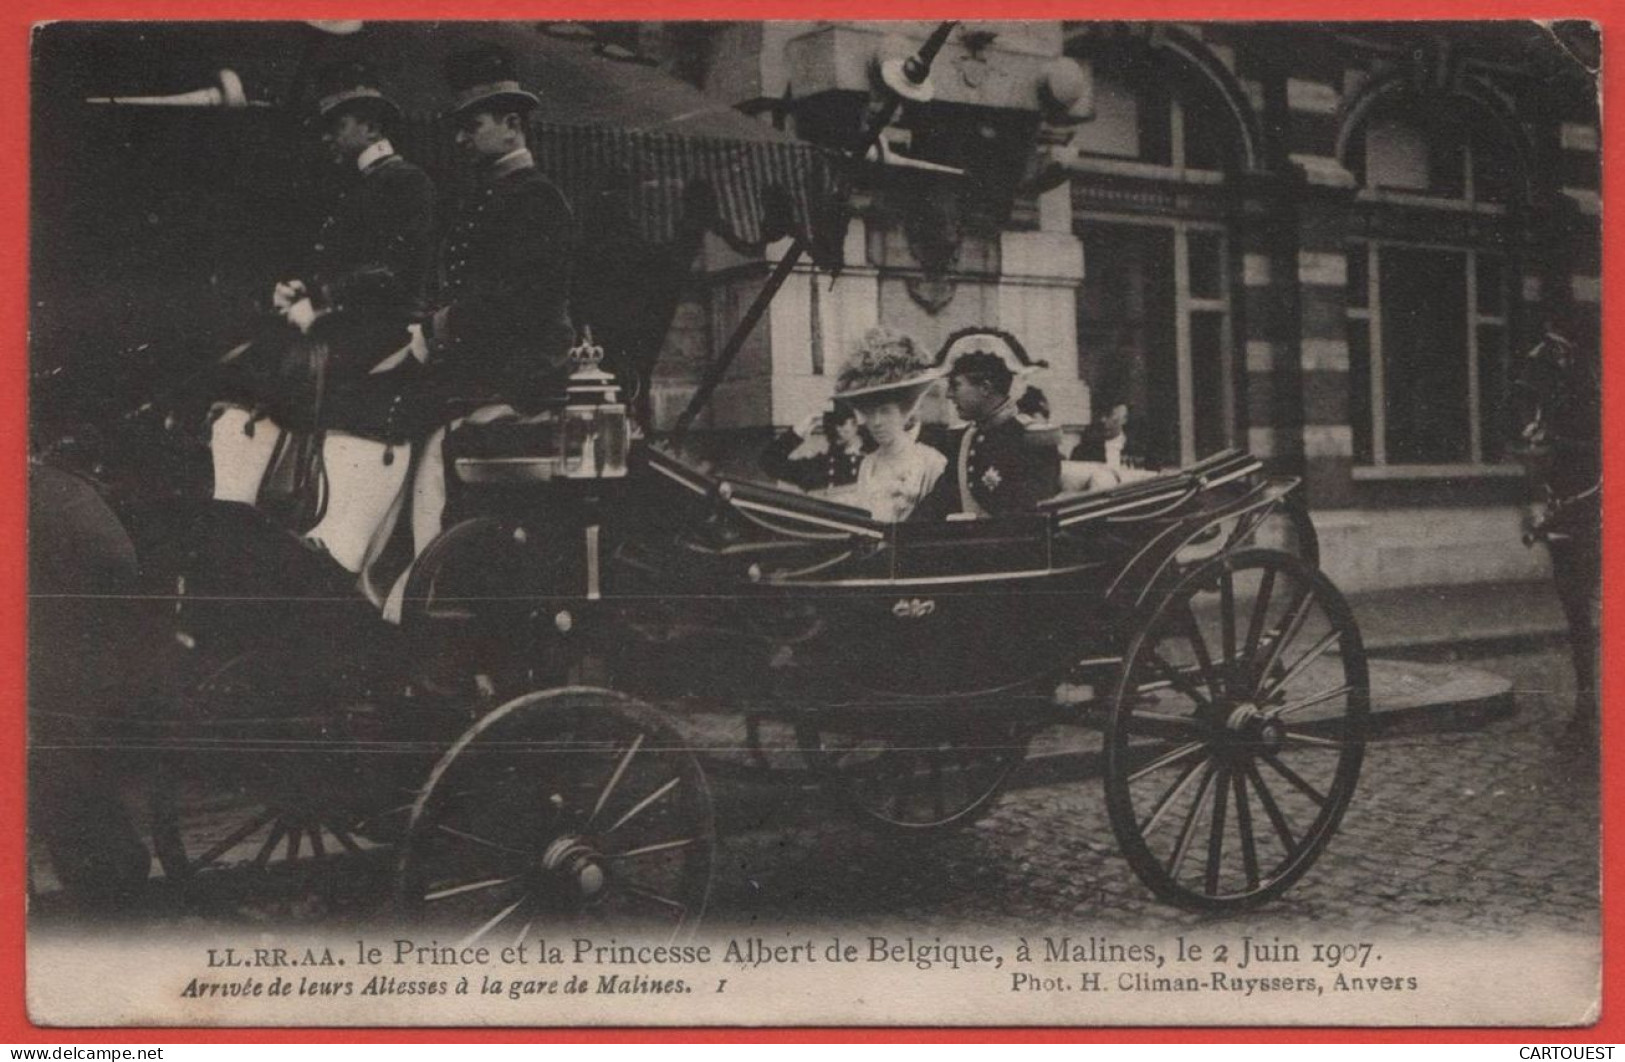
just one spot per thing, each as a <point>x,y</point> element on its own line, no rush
<point>576,861</point>
<point>1253,726</point>
<point>1243,717</point>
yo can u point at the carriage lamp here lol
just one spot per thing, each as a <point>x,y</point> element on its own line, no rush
<point>596,436</point>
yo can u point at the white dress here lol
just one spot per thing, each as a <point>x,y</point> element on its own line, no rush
<point>891,486</point>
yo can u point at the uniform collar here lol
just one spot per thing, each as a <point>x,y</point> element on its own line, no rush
<point>1001,413</point>
<point>374,154</point>
<point>514,161</point>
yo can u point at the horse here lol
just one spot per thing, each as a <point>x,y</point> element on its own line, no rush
<point>1556,398</point>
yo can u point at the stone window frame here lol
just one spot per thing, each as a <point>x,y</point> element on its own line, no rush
<point>1369,317</point>
<point>1186,306</point>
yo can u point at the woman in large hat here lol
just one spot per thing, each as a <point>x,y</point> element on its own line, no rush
<point>884,381</point>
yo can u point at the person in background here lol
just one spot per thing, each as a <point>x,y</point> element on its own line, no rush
<point>884,381</point>
<point>1106,437</point>
<point>836,467</point>
<point>1033,408</point>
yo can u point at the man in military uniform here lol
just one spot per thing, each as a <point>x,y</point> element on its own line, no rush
<point>502,327</point>
<point>501,333</point>
<point>333,372</point>
<point>359,290</point>
<point>995,465</point>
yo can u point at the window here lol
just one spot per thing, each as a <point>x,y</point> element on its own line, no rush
<point>1152,112</point>
<point>1435,153</point>
<point>1155,331</point>
<point>1427,329</point>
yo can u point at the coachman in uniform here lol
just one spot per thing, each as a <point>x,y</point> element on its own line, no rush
<point>500,334</point>
<point>369,259</point>
<point>334,377</point>
<point>502,327</point>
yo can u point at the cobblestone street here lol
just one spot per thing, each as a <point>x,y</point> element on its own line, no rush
<point>1483,831</point>
<point>1480,831</point>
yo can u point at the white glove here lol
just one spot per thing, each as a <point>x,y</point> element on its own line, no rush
<point>302,314</point>
<point>287,293</point>
<point>808,425</point>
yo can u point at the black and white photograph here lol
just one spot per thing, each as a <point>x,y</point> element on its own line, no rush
<point>814,523</point>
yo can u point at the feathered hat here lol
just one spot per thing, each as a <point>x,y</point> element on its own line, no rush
<point>887,366</point>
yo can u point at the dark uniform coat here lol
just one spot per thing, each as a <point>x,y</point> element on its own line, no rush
<point>367,269</point>
<point>369,260</point>
<point>1005,468</point>
<point>363,276</point>
<point>503,285</point>
<point>836,467</point>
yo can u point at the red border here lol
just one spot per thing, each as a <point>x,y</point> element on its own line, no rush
<point>19,15</point>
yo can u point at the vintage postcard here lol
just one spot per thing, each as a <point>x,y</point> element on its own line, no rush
<point>814,523</point>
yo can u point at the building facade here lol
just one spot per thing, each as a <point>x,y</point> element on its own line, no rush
<point>1325,243</point>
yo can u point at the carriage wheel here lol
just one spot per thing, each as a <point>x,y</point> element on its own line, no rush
<point>468,605</point>
<point>216,837</point>
<point>914,775</point>
<point>1237,731</point>
<point>570,807</point>
<point>254,798</point>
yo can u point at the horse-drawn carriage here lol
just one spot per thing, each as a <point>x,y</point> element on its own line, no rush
<point>516,746</point>
<point>515,750</point>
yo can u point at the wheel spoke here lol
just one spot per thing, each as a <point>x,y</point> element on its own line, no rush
<point>493,922</point>
<point>464,835</point>
<point>234,838</point>
<point>615,779</point>
<point>1227,623</point>
<point>1297,781</point>
<point>1167,758</point>
<point>1244,826</point>
<point>348,841</point>
<point>649,849</point>
<point>472,886</point>
<point>317,849</point>
<point>1310,701</point>
<point>1273,810</point>
<point>1167,799</point>
<point>1282,637</point>
<point>1159,723</point>
<point>1215,837</point>
<point>1261,608</point>
<point>1188,832</point>
<point>1297,737</point>
<point>637,809</point>
<point>1177,679</point>
<point>1308,658</point>
<point>264,856</point>
<point>655,897</point>
<point>1204,659</point>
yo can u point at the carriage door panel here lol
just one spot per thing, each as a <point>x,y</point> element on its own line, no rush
<point>970,609</point>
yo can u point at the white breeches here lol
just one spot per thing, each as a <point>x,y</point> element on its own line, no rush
<point>240,459</point>
<point>364,494</point>
<point>361,493</point>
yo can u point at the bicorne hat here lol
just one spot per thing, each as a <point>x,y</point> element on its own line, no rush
<point>351,85</point>
<point>485,74</point>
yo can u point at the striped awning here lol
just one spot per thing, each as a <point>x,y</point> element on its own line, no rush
<point>639,151</point>
<point>642,153</point>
